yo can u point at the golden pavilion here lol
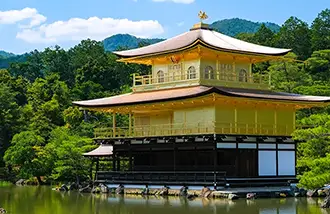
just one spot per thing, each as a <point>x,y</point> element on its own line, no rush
<point>201,117</point>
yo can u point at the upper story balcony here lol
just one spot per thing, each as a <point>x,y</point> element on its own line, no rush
<point>208,77</point>
<point>201,128</point>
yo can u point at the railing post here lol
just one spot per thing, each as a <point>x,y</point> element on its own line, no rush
<point>114,123</point>
<point>130,124</point>
<point>134,79</point>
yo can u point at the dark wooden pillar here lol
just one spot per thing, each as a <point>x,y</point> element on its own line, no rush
<point>118,163</point>
<point>97,167</point>
<point>114,162</point>
<point>130,159</point>
<point>174,156</point>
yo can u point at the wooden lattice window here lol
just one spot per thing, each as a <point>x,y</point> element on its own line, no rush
<point>242,76</point>
<point>191,73</point>
<point>160,76</point>
<point>209,72</point>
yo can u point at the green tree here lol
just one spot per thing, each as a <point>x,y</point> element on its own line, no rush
<point>321,31</point>
<point>28,154</point>
<point>264,36</point>
<point>313,150</point>
<point>285,76</point>
<point>295,34</point>
<point>318,65</point>
<point>9,117</point>
<point>66,151</point>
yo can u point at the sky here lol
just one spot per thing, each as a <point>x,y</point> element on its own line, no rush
<point>26,25</point>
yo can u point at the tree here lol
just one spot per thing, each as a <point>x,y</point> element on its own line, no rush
<point>320,31</point>
<point>313,150</point>
<point>9,117</point>
<point>264,36</point>
<point>66,151</point>
<point>318,65</point>
<point>285,76</point>
<point>27,153</point>
<point>247,37</point>
<point>295,34</point>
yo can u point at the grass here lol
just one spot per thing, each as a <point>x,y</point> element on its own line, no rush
<point>5,184</point>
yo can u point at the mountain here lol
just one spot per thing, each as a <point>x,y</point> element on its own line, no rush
<point>232,27</point>
<point>4,54</point>
<point>126,41</point>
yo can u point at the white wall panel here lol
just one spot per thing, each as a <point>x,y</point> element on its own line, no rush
<point>286,163</point>
<point>267,163</point>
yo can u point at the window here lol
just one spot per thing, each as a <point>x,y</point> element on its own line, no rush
<point>242,77</point>
<point>160,76</point>
<point>209,73</point>
<point>191,73</point>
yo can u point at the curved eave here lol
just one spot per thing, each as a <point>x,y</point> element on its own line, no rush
<point>194,44</point>
<point>248,94</point>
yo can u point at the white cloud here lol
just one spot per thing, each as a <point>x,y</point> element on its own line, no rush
<point>27,14</point>
<point>176,1</point>
<point>76,29</point>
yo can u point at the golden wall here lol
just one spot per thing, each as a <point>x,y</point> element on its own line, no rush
<point>220,119</point>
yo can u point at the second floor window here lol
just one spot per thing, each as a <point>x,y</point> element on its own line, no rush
<point>191,73</point>
<point>242,76</point>
<point>209,73</point>
<point>160,76</point>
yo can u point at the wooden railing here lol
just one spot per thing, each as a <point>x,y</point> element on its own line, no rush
<point>219,78</point>
<point>194,129</point>
<point>163,178</point>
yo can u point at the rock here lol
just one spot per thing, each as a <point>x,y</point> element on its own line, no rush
<point>64,188</point>
<point>311,193</point>
<point>120,190</point>
<point>104,188</point>
<point>2,211</point>
<point>232,196</point>
<point>326,202</point>
<point>164,191</point>
<point>251,196</point>
<point>145,191</point>
<point>86,189</point>
<point>302,192</point>
<point>183,191</point>
<point>206,192</point>
<point>283,195</point>
<point>96,190</point>
<point>297,194</point>
<point>20,182</point>
<point>74,186</point>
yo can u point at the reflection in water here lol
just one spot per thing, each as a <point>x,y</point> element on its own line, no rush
<point>40,200</point>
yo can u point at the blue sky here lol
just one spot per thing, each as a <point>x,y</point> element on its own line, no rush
<point>35,24</point>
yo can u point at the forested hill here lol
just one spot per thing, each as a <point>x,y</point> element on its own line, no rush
<point>126,41</point>
<point>235,26</point>
<point>230,27</point>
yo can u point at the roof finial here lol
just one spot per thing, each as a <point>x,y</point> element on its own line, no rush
<point>202,15</point>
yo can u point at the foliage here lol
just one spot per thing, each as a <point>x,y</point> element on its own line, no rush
<point>320,31</point>
<point>27,153</point>
<point>125,40</point>
<point>66,154</point>
<point>233,27</point>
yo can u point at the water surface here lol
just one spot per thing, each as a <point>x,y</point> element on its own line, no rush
<point>42,200</point>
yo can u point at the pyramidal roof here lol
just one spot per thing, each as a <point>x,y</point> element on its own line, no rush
<point>202,34</point>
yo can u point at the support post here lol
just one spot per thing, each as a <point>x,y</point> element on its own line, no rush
<point>97,167</point>
<point>118,163</point>
<point>130,159</point>
<point>114,162</point>
<point>130,125</point>
<point>114,123</point>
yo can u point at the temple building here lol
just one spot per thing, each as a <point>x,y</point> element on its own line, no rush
<point>201,117</point>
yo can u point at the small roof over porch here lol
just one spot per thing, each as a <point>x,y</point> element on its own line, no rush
<point>104,150</point>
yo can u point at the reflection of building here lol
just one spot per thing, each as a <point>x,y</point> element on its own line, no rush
<point>202,110</point>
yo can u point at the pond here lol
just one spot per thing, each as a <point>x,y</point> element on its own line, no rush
<point>42,200</point>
